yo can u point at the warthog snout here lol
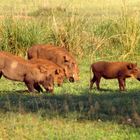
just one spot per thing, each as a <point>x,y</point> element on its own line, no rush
<point>49,89</point>
<point>71,79</point>
<point>138,79</point>
<point>137,75</point>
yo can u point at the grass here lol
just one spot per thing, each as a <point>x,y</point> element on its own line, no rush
<point>99,35</point>
<point>72,113</point>
<point>33,127</point>
<point>92,30</point>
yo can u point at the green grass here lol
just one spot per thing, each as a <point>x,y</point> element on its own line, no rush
<point>32,127</point>
<point>73,112</point>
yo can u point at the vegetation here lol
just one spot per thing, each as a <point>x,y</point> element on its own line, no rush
<point>92,30</point>
<point>101,34</point>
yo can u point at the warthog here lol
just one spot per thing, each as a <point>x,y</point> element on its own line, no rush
<point>56,71</point>
<point>16,68</point>
<point>113,70</point>
<point>58,55</point>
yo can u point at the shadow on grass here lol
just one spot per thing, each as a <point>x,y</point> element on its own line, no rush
<point>105,105</point>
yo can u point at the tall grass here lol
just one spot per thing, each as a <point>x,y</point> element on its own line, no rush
<point>18,35</point>
<point>101,39</point>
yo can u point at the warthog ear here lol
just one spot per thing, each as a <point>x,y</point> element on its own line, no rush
<point>57,71</point>
<point>43,68</point>
<point>131,65</point>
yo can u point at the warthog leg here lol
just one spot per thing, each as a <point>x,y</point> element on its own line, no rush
<point>30,86</point>
<point>37,87</point>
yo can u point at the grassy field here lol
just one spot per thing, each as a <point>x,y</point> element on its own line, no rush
<point>92,30</point>
<point>73,112</point>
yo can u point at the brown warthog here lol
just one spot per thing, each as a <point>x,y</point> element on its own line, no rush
<point>56,71</point>
<point>58,55</point>
<point>16,68</point>
<point>112,70</point>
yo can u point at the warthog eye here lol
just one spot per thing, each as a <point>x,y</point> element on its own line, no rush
<point>136,69</point>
